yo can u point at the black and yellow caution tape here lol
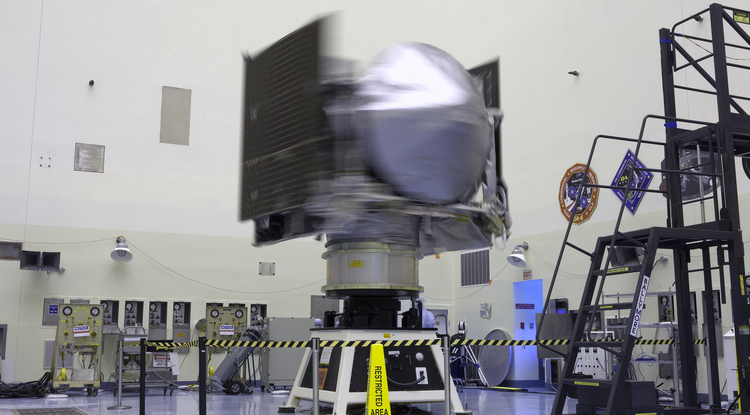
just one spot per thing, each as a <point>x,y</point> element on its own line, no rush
<point>164,345</point>
<point>389,343</point>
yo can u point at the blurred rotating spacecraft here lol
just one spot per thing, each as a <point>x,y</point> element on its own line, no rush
<point>391,166</point>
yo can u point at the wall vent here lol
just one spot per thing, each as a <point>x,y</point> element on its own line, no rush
<point>475,268</point>
<point>89,157</point>
<point>10,250</point>
<point>267,268</point>
<point>175,115</point>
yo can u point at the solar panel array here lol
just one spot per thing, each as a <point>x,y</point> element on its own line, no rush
<point>285,152</point>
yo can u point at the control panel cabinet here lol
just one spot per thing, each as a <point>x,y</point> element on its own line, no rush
<point>133,313</point>
<point>157,320</point>
<point>79,333</point>
<point>225,323</point>
<point>111,316</point>
<point>181,323</point>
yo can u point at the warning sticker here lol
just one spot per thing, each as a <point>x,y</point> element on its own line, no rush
<point>322,373</point>
<point>226,330</point>
<point>741,17</point>
<point>378,402</point>
<point>639,306</point>
<point>81,331</point>
<point>325,356</point>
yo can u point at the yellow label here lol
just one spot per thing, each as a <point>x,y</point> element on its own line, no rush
<point>742,283</point>
<point>609,271</point>
<point>387,335</point>
<point>322,373</point>
<point>647,413</point>
<point>742,17</point>
<point>587,383</point>
<point>82,308</point>
<point>378,402</point>
<point>605,307</point>
<point>357,263</point>
<point>180,334</point>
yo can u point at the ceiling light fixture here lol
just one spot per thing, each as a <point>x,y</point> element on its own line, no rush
<point>516,257</point>
<point>121,253</point>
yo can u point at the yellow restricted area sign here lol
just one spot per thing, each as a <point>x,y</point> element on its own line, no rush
<point>377,384</point>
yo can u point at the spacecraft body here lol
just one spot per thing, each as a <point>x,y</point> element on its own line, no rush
<point>395,164</point>
<point>391,165</point>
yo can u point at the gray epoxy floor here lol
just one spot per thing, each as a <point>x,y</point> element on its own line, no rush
<point>481,402</point>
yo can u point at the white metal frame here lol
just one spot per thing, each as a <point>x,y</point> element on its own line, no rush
<point>342,397</point>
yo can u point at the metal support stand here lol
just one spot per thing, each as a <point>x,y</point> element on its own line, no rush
<point>316,370</point>
<point>341,396</point>
<point>142,391</point>
<point>202,376</point>
<point>447,372</point>
<point>714,393</point>
<point>119,383</point>
<point>471,358</point>
<point>675,370</point>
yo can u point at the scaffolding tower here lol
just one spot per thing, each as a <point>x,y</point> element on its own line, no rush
<point>719,232</point>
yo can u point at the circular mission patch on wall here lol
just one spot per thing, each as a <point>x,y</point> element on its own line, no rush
<point>569,188</point>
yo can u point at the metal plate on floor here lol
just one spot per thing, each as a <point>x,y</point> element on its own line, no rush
<point>495,360</point>
<point>50,411</point>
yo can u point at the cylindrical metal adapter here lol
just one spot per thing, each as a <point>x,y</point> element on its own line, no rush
<point>372,268</point>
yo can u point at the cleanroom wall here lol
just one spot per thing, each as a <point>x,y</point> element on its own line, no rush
<point>178,204</point>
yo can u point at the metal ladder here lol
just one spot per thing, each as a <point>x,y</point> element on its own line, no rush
<point>601,258</point>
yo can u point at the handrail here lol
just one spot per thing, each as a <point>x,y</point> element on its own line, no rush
<point>689,18</point>
<point>705,74</point>
<point>703,91</point>
<point>693,16</point>
<point>691,62</point>
<point>710,40</point>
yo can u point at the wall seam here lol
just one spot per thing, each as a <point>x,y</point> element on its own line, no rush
<point>28,185</point>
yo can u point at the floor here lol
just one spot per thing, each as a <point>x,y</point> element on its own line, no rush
<point>481,402</point>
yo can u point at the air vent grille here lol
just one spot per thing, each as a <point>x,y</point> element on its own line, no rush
<point>475,268</point>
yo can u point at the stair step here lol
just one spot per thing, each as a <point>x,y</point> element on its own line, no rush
<point>587,382</point>
<point>598,344</point>
<point>613,306</point>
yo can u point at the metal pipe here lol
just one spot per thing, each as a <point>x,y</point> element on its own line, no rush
<point>703,91</point>
<point>202,375</point>
<point>700,185</point>
<point>119,381</point>
<point>714,394</point>
<point>675,370</point>
<point>142,388</point>
<point>316,370</point>
<point>447,373</point>
<point>702,39</point>
<point>687,19</point>
<point>710,55</point>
